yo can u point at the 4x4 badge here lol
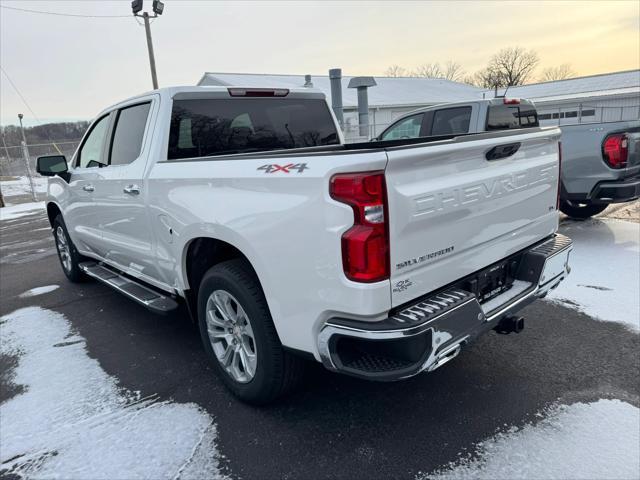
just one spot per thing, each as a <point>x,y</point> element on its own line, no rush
<point>274,167</point>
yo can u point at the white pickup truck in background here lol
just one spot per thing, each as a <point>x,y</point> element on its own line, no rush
<point>381,260</point>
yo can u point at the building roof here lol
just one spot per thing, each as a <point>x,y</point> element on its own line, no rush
<point>616,83</point>
<point>389,91</point>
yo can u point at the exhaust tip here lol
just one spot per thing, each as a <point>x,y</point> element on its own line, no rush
<point>510,324</point>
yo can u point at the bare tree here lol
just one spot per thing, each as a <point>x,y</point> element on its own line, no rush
<point>512,66</point>
<point>557,73</point>
<point>453,71</point>
<point>487,78</point>
<point>450,71</point>
<point>428,70</point>
<point>395,71</point>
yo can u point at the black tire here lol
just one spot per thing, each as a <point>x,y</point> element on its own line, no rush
<point>277,372</point>
<point>581,211</point>
<point>71,268</point>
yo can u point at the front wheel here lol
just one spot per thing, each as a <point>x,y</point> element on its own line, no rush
<point>581,210</point>
<point>239,335</point>
<point>69,257</point>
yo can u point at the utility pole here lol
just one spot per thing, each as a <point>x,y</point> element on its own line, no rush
<point>158,8</point>
<point>27,161</point>
<point>6,150</point>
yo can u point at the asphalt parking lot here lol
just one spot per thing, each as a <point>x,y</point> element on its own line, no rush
<point>334,426</point>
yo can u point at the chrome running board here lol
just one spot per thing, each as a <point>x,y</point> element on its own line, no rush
<point>143,294</point>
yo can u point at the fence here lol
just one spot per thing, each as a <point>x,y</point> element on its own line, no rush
<point>12,159</point>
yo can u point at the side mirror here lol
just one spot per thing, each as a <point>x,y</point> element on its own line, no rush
<point>52,165</point>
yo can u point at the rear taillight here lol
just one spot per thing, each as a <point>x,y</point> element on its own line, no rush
<point>510,101</point>
<point>365,246</point>
<point>615,150</point>
<point>559,175</point>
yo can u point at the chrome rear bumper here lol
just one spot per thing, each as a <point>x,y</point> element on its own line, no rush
<point>430,332</point>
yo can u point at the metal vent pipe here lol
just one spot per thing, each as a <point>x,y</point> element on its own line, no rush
<point>307,81</point>
<point>335,77</point>
<point>362,84</point>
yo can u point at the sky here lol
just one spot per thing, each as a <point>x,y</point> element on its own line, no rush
<point>73,67</point>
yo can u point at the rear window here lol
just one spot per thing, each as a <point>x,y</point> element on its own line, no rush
<point>205,127</point>
<point>505,117</point>
<point>451,121</point>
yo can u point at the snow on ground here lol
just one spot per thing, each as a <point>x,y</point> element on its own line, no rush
<point>605,270</point>
<point>72,421</point>
<point>38,291</point>
<point>21,210</point>
<point>20,186</point>
<point>629,211</point>
<point>580,441</point>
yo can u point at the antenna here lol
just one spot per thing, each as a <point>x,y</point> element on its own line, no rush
<point>505,92</point>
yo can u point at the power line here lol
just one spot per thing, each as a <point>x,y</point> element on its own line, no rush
<point>20,95</point>
<point>28,10</point>
<point>24,100</point>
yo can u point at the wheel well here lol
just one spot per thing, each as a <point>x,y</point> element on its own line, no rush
<point>203,253</point>
<point>52,212</point>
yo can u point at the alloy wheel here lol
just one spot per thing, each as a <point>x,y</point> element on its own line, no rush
<point>63,249</point>
<point>231,336</point>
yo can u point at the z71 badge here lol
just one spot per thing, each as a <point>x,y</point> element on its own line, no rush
<point>274,168</point>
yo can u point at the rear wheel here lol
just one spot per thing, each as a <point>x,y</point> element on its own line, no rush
<point>69,257</point>
<point>581,210</point>
<point>239,335</point>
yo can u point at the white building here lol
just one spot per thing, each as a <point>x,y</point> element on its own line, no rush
<point>606,97</point>
<point>595,98</point>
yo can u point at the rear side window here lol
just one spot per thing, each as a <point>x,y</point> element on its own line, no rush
<point>407,128</point>
<point>205,127</point>
<point>128,133</point>
<point>505,117</point>
<point>451,121</point>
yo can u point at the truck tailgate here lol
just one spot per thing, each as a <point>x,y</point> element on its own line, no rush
<point>453,212</point>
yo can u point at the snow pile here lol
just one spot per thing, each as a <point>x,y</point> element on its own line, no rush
<point>21,210</point>
<point>20,186</point>
<point>38,291</point>
<point>72,421</point>
<point>581,441</point>
<point>605,270</point>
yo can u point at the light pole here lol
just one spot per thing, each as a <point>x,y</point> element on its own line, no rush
<point>158,8</point>
<point>27,161</point>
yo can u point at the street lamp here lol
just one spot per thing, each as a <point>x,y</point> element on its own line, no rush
<point>27,157</point>
<point>158,8</point>
<point>136,6</point>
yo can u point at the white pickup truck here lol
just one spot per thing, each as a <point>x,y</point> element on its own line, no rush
<point>381,260</point>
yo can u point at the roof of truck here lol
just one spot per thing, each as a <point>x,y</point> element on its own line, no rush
<point>195,91</point>
<point>172,91</point>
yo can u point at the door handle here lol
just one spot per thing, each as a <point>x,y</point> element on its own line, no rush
<point>88,188</point>
<point>131,189</point>
<point>502,151</point>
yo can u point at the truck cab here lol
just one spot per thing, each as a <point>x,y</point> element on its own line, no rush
<point>463,118</point>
